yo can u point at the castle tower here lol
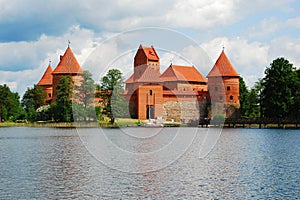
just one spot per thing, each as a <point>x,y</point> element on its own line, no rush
<point>144,88</point>
<point>68,65</point>
<point>223,85</point>
<point>146,57</point>
<point>46,82</point>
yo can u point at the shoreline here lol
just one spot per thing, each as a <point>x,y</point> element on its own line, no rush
<point>167,125</point>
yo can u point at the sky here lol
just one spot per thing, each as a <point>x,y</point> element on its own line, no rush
<point>106,34</point>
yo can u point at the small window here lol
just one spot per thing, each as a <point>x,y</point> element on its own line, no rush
<point>216,88</point>
<point>150,92</point>
<point>49,95</point>
<point>228,88</point>
<point>231,97</point>
<point>221,97</point>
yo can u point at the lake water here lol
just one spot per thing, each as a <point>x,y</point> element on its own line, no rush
<point>52,163</point>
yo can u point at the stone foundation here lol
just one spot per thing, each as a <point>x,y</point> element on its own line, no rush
<point>184,111</point>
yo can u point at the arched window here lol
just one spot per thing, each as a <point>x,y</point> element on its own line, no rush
<point>150,92</point>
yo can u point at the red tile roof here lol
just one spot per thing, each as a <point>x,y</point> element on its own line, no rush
<point>150,52</point>
<point>148,76</point>
<point>130,79</point>
<point>183,73</point>
<point>68,64</point>
<point>47,77</point>
<point>223,67</point>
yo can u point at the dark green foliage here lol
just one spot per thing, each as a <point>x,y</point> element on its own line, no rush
<point>10,107</point>
<point>32,100</point>
<point>112,89</point>
<point>244,94</point>
<point>280,90</point>
<point>34,97</point>
<point>249,100</point>
<point>44,113</point>
<point>62,108</point>
<point>84,94</point>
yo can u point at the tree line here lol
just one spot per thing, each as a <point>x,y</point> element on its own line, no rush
<point>74,101</point>
<point>276,95</point>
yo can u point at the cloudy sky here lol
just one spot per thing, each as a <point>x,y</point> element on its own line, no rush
<point>253,32</point>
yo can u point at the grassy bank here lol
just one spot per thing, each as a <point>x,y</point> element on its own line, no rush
<point>124,122</point>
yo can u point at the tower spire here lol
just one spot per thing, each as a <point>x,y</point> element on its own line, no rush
<point>69,43</point>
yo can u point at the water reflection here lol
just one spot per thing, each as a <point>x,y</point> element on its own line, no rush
<point>47,163</point>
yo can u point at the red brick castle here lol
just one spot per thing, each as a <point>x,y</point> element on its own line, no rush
<point>181,93</point>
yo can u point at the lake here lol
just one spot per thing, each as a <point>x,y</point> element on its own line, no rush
<point>154,163</point>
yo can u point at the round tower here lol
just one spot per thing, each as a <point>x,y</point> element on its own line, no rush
<point>223,86</point>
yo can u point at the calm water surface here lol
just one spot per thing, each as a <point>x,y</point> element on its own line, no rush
<point>49,163</point>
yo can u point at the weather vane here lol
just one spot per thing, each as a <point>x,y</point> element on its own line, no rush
<point>69,43</point>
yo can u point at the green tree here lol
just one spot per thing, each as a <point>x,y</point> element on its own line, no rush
<point>112,89</point>
<point>84,94</point>
<point>279,89</point>
<point>244,95</point>
<point>32,100</point>
<point>10,107</point>
<point>295,112</point>
<point>253,104</point>
<point>62,108</point>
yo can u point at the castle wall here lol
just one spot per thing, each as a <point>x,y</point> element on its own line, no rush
<point>184,111</point>
<point>224,89</point>
<point>224,95</point>
<point>149,96</point>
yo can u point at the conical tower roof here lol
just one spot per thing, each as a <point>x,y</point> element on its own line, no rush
<point>223,67</point>
<point>68,64</point>
<point>47,77</point>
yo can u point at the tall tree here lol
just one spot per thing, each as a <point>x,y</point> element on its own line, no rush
<point>279,89</point>
<point>253,104</point>
<point>84,94</point>
<point>244,95</point>
<point>10,107</point>
<point>33,99</point>
<point>112,89</point>
<point>62,108</point>
<point>295,112</point>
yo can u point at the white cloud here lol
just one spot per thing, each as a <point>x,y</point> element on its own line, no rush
<point>266,28</point>
<point>27,61</point>
<point>293,22</point>
<point>286,47</point>
<point>201,14</point>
